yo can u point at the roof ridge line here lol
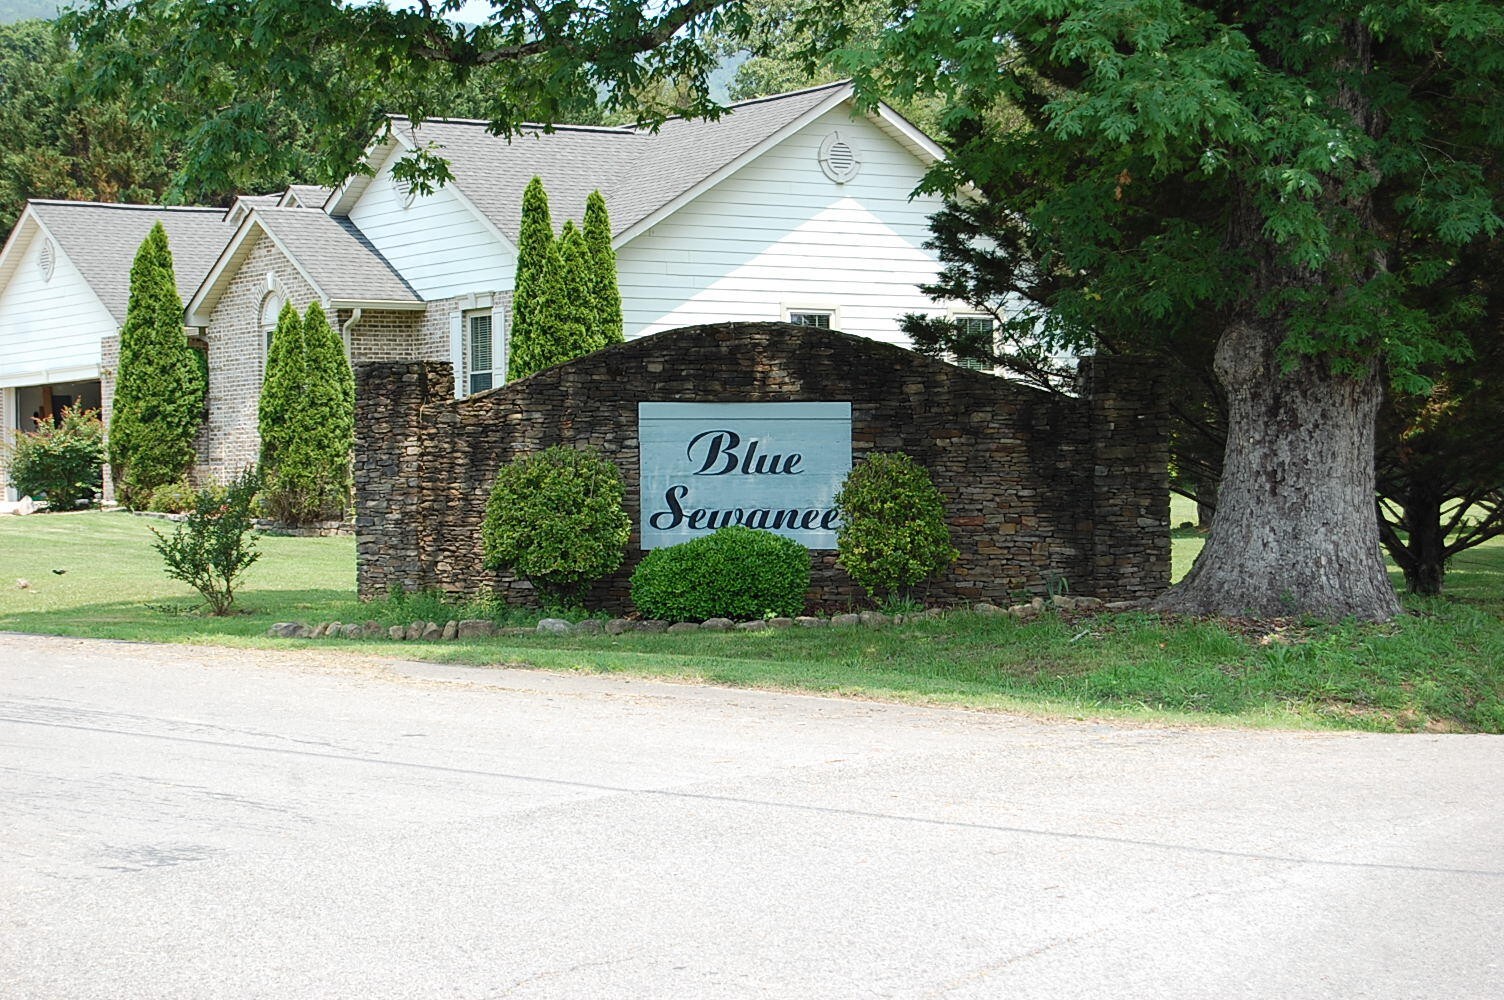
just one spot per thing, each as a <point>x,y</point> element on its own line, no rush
<point>632,129</point>
<point>127,205</point>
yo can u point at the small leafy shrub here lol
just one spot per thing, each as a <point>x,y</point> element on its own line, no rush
<point>211,549</point>
<point>734,572</point>
<point>893,534</point>
<point>63,463</point>
<point>174,498</point>
<point>556,519</point>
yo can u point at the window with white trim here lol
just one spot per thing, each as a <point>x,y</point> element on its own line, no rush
<point>976,325</point>
<point>820,318</point>
<point>487,368</point>
<point>271,309</point>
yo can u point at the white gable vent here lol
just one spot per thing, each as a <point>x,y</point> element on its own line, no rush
<point>47,260</point>
<point>839,158</point>
<point>402,191</point>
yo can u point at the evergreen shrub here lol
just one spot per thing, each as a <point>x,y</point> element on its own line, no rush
<point>893,534</point>
<point>602,285</point>
<point>733,572</point>
<point>555,518</point>
<point>537,271</point>
<point>62,464</point>
<point>159,386</point>
<point>307,420</point>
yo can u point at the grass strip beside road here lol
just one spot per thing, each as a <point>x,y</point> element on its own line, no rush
<point>1440,668</point>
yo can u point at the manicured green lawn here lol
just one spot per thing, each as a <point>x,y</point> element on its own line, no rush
<point>1439,668</point>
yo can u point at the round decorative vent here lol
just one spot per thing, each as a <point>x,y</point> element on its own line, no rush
<point>839,158</point>
<point>402,191</point>
<point>47,260</point>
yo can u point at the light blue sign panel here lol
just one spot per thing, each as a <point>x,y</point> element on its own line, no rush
<point>774,466</point>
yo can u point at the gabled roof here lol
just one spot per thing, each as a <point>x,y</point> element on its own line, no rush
<point>304,196</point>
<point>331,254</point>
<point>642,174</point>
<point>243,203</point>
<point>102,239</point>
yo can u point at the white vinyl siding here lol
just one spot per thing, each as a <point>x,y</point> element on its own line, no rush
<point>49,326</point>
<point>436,243</point>
<point>779,232</point>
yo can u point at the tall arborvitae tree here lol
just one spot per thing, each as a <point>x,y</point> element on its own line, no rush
<point>307,419</point>
<point>281,390</point>
<point>159,390</point>
<point>573,321</point>
<point>535,251</point>
<point>328,415</point>
<point>603,289</point>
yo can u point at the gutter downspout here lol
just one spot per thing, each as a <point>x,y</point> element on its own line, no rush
<point>348,325</point>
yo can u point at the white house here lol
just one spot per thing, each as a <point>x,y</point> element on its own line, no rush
<point>797,207</point>
<point>64,284</point>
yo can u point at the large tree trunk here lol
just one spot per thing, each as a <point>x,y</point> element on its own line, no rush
<point>1295,530</point>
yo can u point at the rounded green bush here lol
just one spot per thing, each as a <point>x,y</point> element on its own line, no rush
<point>893,533</point>
<point>556,519</point>
<point>62,463</point>
<point>173,498</point>
<point>734,572</point>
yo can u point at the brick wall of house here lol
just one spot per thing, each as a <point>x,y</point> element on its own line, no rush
<point>228,441</point>
<point>1039,488</point>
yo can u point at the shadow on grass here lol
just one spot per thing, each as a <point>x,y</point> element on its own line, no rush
<point>182,619</point>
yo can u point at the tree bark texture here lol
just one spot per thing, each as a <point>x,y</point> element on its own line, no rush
<point>1295,531</point>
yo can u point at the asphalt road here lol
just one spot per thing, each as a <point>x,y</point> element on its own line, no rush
<point>183,822</point>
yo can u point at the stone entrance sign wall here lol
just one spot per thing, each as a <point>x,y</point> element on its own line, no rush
<point>1040,488</point>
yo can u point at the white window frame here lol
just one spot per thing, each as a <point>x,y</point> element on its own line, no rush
<point>958,315</point>
<point>834,313</point>
<point>266,329</point>
<point>498,369</point>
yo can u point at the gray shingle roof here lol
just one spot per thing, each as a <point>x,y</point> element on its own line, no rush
<point>307,195</point>
<point>639,172</point>
<point>101,240</point>
<point>341,262</point>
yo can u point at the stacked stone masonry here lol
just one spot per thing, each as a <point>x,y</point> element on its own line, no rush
<point>1042,490</point>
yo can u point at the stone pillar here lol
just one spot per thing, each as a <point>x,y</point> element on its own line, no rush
<point>1130,434</point>
<point>391,415</point>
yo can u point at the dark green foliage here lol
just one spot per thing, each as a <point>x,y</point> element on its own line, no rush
<point>62,463</point>
<point>307,420</point>
<point>270,86</point>
<point>733,572</point>
<point>893,534</point>
<point>60,144</point>
<point>532,291</point>
<point>159,393</point>
<point>555,518</point>
<point>603,289</point>
<point>211,549</point>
